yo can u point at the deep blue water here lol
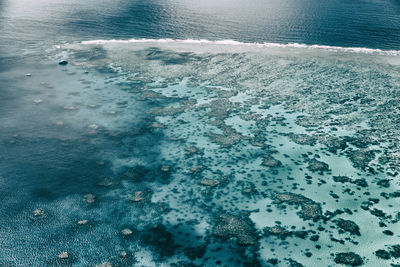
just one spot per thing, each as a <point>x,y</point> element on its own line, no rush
<point>186,153</point>
<point>358,23</point>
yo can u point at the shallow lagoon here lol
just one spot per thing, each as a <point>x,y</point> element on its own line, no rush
<point>209,153</point>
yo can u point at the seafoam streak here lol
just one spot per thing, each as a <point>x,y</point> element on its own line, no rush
<point>259,45</point>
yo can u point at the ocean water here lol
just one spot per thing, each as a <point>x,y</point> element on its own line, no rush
<point>182,133</point>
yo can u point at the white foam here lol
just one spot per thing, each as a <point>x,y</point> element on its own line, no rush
<point>237,43</point>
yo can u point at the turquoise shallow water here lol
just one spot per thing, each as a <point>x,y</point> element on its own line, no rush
<point>185,153</point>
<point>217,133</point>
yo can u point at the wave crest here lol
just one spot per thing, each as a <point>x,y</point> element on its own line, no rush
<point>259,45</point>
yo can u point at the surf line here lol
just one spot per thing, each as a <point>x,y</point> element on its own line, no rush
<point>244,44</point>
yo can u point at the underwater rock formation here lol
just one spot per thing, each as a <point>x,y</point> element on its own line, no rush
<point>349,259</point>
<point>348,226</point>
<point>239,227</point>
<point>310,210</point>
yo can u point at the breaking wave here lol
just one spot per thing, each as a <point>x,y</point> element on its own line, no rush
<point>259,45</point>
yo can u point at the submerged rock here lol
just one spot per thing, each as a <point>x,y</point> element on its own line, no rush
<point>83,222</point>
<point>90,198</point>
<point>303,139</point>
<point>63,62</point>
<point>67,107</point>
<point>157,125</point>
<point>314,238</point>
<point>362,140</point>
<point>93,126</point>
<point>348,226</point>
<point>309,208</point>
<point>348,258</point>
<point>311,211</point>
<point>165,168</point>
<point>104,264</point>
<point>333,143</point>
<point>271,162</point>
<point>247,191</point>
<point>293,263</point>
<point>197,169</point>
<point>126,231</point>
<point>291,198</point>
<point>209,182</point>
<point>360,182</point>
<point>341,179</point>
<point>225,140</point>
<point>105,182</point>
<point>384,183</point>
<point>378,213</point>
<point>63,255</point>
<point>395,251</point>
<point>317,166</point>
<point>38,212</point>
<point>241,227</point>
<point>273,261</point>
<point>138,196</point>
<point>191,150</point>
<point>388,232</point>
<point>277,231</point>
<point>383,254</point>
<point>361,158</point>
<point>306,121</point>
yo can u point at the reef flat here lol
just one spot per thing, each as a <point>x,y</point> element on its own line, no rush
<point>214,154</point>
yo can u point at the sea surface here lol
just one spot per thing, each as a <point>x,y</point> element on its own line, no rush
<point>200,133</point>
